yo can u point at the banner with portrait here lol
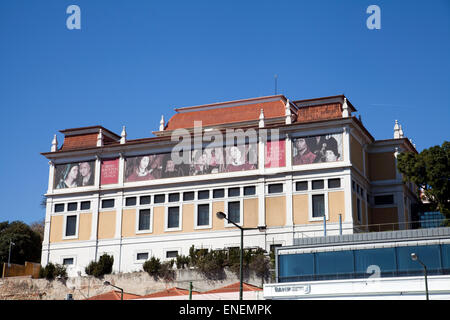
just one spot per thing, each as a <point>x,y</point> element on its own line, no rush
<point>275,155</point>
<point>317,149</point>
<point>76,174</point>
<point>198,162</point>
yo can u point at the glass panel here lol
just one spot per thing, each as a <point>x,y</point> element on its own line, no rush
<point>203,215</point>
<point>295,267</point>
<point>171,254</point>
<point>131,201</point>
<point>142,256</point>
<point>234,192</point>
<point>85,205</point>
<point>318,201</point>
<point>301,186</point>
<point>203,194</point>
<point>317,184</point>
<point>386,199</point>
<point>429,255</point>
<point>249,191</point>
<point>276,188</point>
<point>188,196</point>
<point>334,264</point>
<point>334,183</point>
<point>71,225</point>
<point>384,258</point>
<point>219,193</point>
<point>67,261</point>
<point>159,198</point>
<point>59,207</point>
<point>445,251</point>
<point>173,216</point>
<point>174,197</point>
<point>109,203</point>
<point>144,219</point>
<point>73,206</point>
<point>145,200</point>
<point>234,211</point>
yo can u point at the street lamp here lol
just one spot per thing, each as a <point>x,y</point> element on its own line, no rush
<point>9,254</point>
<point>414,257</point>
<point>222,216</point>
<point>107,283</point>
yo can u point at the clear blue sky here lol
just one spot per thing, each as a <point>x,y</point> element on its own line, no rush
<point>135,60</point>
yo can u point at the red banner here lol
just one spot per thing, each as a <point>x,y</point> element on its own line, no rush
<point>109,172</point>
<point>275,154</point>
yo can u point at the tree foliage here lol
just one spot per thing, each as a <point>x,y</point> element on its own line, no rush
<point>101,267</point>
<point>27,243</point>
<point>430,171</point>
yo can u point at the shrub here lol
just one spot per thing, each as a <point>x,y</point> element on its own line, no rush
<point>152,267</point>
<point>182,261</point>
<point>156,269</point>
<point>52,271</point>
<point>100,268</point>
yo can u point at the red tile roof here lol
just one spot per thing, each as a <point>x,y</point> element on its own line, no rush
<point>114,295</point>
<point>234,288</point>
<point>169,293</point>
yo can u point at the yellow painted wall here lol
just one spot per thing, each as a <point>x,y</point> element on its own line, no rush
<point>158,220</point>
<point>129,223</point>
<point>56,228</point>
<point>336,206</point>
<point>356,154</point>
<point>106,225</point>
<point>188,217</point>
<point>300,208</point>
<point>85,226</point>
<point>382,166</point>
<point>217,224</point>
<point>275,211</point>
<point>250,213</point>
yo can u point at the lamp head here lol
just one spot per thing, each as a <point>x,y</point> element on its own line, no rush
<point>107,283</point>
<point>220,215</point>
<point>414,256</point>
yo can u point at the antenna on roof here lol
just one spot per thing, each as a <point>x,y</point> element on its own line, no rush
<point>276,78</point>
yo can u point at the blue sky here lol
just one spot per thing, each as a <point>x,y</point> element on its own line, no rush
<point>135,60</point>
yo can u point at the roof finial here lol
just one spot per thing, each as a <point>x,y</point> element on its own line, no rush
<point>161,124</point>
<point>345,112</point>
<point>261,119</point>
<point>401,132</point>
<point>123,135</point>
<point>288,112</point>
<point>396,130</point>
<point>54,144</point>
<point>100,139</point>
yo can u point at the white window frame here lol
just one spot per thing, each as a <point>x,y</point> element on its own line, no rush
<point>59,212</point>
<point>170,249</point>
<point>180,216</point>
<point>101,209</point>
<point>72,213</point>
<point>209,226</point>
<point>141,261</point>
<point>310,205</point>
<point>68,266</point>
<point>241,212</point>
<point>84,210</point>
<point>276,194</point>
<point>138,209</point>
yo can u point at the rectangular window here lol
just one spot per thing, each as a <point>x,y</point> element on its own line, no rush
<point>234,192</point>
<point>72,206</point>
<point>234,211</point>
<point>301,186</point>
<point>145,200</point>
<point>171,254</point>
<point>71,226</point>
<point>218,193</point>
<point>358,209</point>
<point>334,183</point>
<point>249,191</point>
<point>174,197</point>
<point>173,217</point>
<point>159,198</point>
<point>382,200</point>
<point>203,215</point>
<point>142,256</point>
<point>108,203</point>
<point>203,194</point>
<point>67,261</point>
<point>187,196</point>
<point>85,205</point>
<point>59,207</point>
<point>275,188</point>
<point>130,201</point>
<point>318,205</point>
<point>317,184</point>
<point>144,219</point>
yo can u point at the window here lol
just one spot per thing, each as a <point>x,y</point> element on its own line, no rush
<point>301,186</point>
<point>145,200</point>
<point>234,211</point>
<point>276,188</point>
<point>59,207</point>
<point>85,205</point>
<point>71,226</point>
<point>173,217</point>
<point>142,256</point>
<point>72,206</point>
<point>174,197</point>
<point>334,183</point>
<point>218,193</point>
<point>317,184</point>
<point>318,205</point>
<point>234,192</point>
<point>144,219</point>
<point>353,185</point>
<point>67,261</point>
<point>187,196</point>
<point>203,194</point>
<point>108,203</point>
<point>249,191</point>
<point>203,215</point>
<point>130,201</point>
<point>386,199</point>
<point>358,209</point>
<point>171,254</point>
<point>159,198</point>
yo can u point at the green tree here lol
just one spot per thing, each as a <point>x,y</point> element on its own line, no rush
<point>27,243</point>
<point>430,171</point>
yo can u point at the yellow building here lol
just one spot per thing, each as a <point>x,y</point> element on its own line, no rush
<point>287,169</point>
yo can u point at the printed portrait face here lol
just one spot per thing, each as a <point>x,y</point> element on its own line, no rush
<point>85,169</point>
<point>317,149</point>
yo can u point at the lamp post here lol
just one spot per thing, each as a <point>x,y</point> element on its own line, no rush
<point>414,257</point>
<point>107,283</point>
<point>222,216</point>
<point>11,243</point>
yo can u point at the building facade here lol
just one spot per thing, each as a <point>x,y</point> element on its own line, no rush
<point>286,169</point>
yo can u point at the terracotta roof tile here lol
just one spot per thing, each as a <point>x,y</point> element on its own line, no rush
<point>234,288</point>
<point>169,293</point>
<point>113,295</point>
